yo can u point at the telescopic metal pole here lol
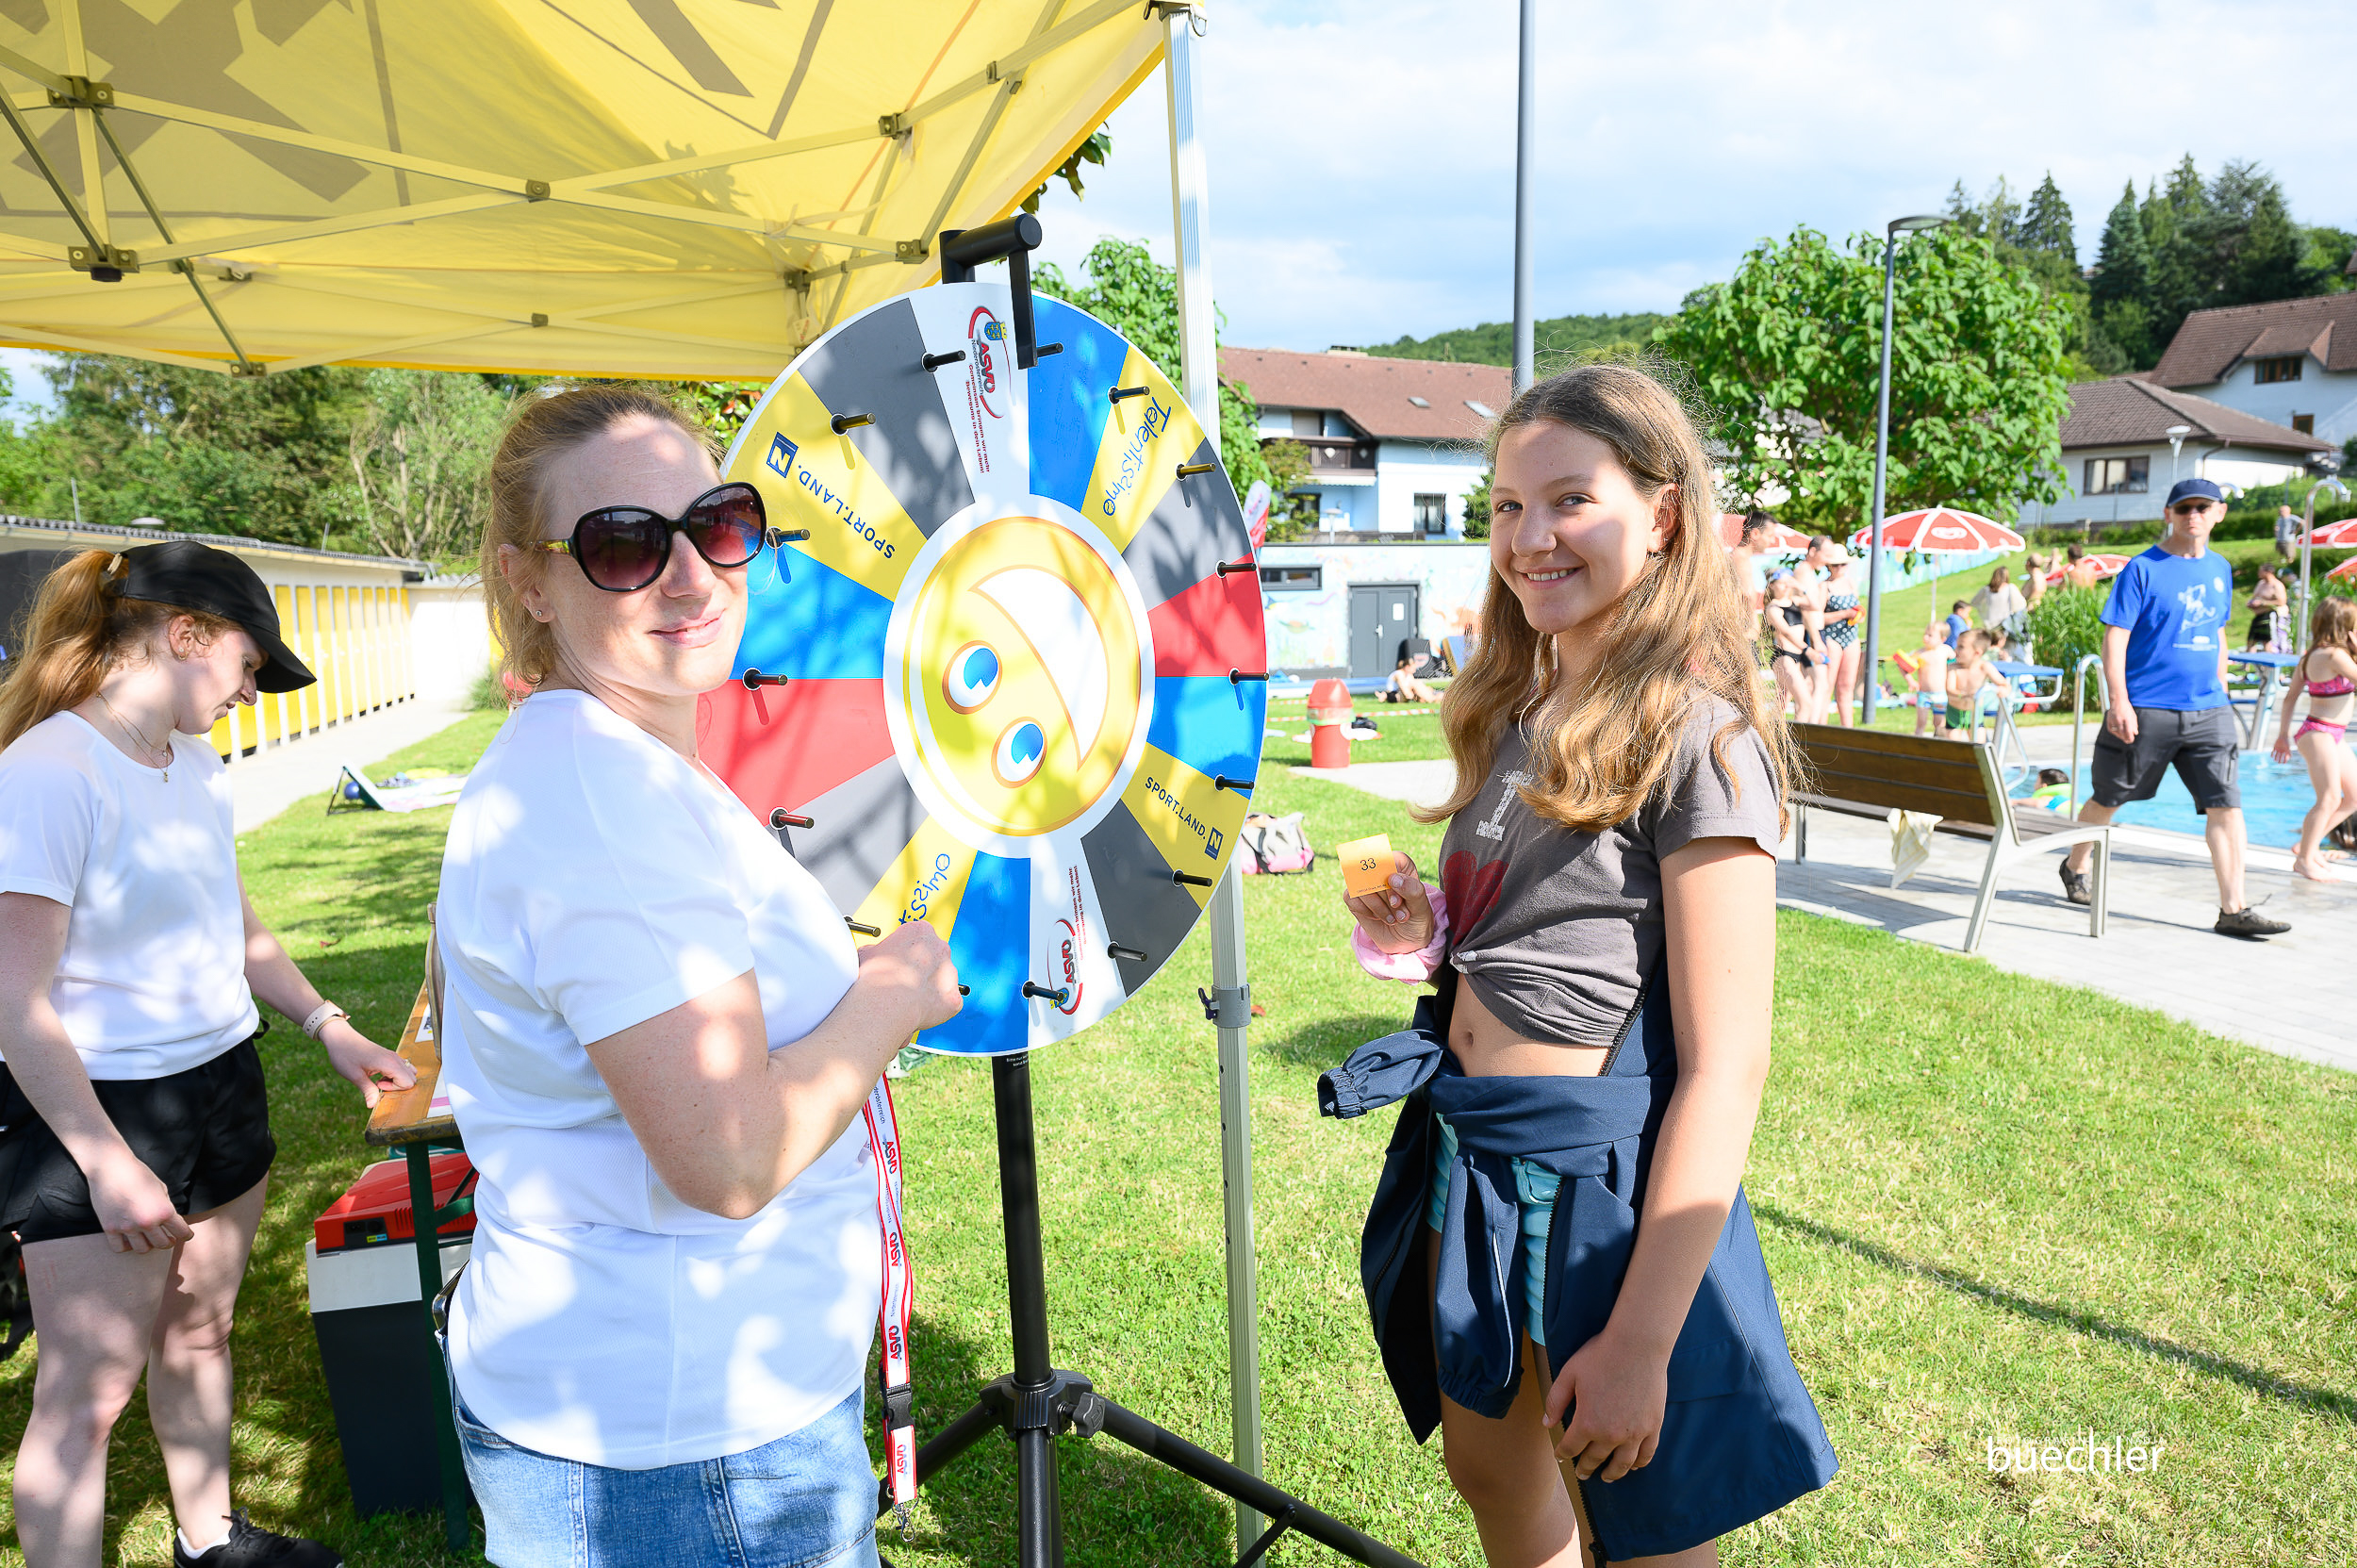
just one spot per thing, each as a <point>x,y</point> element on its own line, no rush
<point>1525,157</point>
<point>1231,993</point>
<point>1882,459</point>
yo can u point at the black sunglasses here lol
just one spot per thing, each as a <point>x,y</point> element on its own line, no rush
<point>623,549</point>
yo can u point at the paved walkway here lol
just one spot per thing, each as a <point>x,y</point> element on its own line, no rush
<point>267,784</point>
<point>2288,994</point>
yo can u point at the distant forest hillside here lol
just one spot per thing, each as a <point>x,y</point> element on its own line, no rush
<point>1492,342</point>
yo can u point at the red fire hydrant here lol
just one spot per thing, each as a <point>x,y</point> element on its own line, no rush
<point>1330,710</point>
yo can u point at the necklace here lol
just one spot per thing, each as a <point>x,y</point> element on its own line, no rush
<point>124,725</point>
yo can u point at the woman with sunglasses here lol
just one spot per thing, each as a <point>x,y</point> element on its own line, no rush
<point>659,1039</point>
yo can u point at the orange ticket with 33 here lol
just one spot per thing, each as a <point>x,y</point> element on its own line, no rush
<point>1367,865</point>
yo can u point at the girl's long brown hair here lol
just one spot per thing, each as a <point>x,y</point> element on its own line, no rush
<point>1599,749</point>
<point>2331,624</point>
<point>79,628</point>
<point>543,429</point>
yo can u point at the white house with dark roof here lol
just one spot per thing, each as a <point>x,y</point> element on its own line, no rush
<point>2119,461</point>
<point>2290,362</point>
<point>1394,444</point>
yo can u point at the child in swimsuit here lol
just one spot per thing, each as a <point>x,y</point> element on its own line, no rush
<point>1930,676</point>
<point>1966,677</point>
<point>2327,672</point>
<point>1563,1271</point>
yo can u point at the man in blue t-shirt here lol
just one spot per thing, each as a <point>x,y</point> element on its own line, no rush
<point>2164,672</point>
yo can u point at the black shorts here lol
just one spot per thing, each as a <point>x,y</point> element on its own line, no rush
<point>2205,746</point>
<point>204,1133</point>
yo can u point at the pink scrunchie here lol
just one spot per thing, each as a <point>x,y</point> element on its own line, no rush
<point>1415,967</point>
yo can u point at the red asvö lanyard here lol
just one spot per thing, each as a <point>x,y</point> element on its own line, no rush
<point>900,1392</point>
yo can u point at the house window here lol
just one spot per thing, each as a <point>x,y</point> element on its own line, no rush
<point>1312,504</point>
<point>2117,477</point>
<point>2284,368</point>
<point>1431,514</point>
<point>2305,423</point>
<point>1307,422</point>
<point>1292,579</point>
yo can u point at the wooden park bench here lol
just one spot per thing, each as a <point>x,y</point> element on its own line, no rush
<point>1868,772</point>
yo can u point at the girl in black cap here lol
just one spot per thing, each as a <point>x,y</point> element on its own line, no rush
<point>134,1140</point>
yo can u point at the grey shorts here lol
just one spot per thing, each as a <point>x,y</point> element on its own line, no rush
<point>2205,745</point>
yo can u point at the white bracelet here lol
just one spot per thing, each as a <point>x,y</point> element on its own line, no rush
<point>320,1015</point>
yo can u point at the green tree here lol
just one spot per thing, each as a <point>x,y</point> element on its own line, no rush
<point>1561,338</point>
<point>1477,509</point>
<point>208,453</point>
<point>2270,260</point>
<point>421,456</point>
<point>2121,290</point>
<point>1138,297</point>
<point>1788,351</point>
<point>2046,223</point>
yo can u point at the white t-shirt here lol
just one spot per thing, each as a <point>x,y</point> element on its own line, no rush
<point>593,879</point>
<point>153,978</point>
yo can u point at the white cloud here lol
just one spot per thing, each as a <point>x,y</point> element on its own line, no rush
<point>1362,166</point>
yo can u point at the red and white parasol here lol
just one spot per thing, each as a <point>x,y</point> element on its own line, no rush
<point>2334,535</point>
<point>2107,567</point>
<point>2347,569</point>
<point>1940,530</point>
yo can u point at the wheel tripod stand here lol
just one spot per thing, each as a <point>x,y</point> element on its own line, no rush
<point>1037,1402</point>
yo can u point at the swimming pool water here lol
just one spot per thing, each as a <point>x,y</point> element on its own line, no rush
<point>2275,795</point>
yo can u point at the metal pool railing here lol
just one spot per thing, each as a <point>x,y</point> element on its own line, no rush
<point>2079,714</point>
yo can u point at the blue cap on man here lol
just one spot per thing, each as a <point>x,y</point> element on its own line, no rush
<point>2194,490</point>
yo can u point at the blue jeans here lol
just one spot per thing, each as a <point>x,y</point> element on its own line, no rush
<point>809,1498</point>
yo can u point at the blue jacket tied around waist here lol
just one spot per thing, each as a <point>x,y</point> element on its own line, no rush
<point>1741,1437</point>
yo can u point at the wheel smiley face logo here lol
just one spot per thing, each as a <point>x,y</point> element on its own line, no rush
<point>1022,675</point>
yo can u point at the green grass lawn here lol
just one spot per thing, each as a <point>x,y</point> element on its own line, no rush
<point>1996,1210</point>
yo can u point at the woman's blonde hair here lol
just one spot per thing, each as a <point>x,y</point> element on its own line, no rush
<point>1599,750</point>
<point>2333,624</point>
<point>79,628</point>
<point>543,429</point>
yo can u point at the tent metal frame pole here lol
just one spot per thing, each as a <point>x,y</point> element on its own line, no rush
<point>1231,990</point>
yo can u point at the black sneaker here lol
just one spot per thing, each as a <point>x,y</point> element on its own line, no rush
<point>250,1546</point>
<point>2249,922</point>
<point>2076,887</point>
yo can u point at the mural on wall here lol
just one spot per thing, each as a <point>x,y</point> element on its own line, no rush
<point>1310,629</point>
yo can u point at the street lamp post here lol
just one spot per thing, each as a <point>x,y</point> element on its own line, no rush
<point>2176,433</point>
<point>1882,460</point>
<point>1525,160</point>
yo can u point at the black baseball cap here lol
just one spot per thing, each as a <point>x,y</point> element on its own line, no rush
<point>192,576</point>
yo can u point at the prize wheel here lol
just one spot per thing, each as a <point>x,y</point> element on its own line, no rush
<point>1012,706</point>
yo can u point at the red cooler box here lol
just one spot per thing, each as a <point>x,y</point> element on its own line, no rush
<point>374,1342</point>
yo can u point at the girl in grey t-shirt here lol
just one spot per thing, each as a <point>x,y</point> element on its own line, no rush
<point>1610,851</point>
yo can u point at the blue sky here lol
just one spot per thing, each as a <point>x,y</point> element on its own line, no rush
<point>1362,157</point>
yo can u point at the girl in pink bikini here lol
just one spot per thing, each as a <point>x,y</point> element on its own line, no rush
<point>2327,672</point>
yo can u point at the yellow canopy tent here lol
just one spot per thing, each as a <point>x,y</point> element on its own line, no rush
<point>662,188</point>
<point>690,188</point>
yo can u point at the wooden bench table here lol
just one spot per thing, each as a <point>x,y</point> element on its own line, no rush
<point>411,1121</point>
<point>1872,772</point>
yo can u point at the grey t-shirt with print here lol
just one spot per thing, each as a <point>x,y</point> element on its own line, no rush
<point>1554,929</point>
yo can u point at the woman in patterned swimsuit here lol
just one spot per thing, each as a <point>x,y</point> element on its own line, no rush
<point>2327,672</point>
<point>1842,653</point>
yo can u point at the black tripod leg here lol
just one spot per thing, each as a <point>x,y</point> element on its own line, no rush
<point>979,1421</point>
<point>1039,1528</point>
<point>1216,1473</point>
